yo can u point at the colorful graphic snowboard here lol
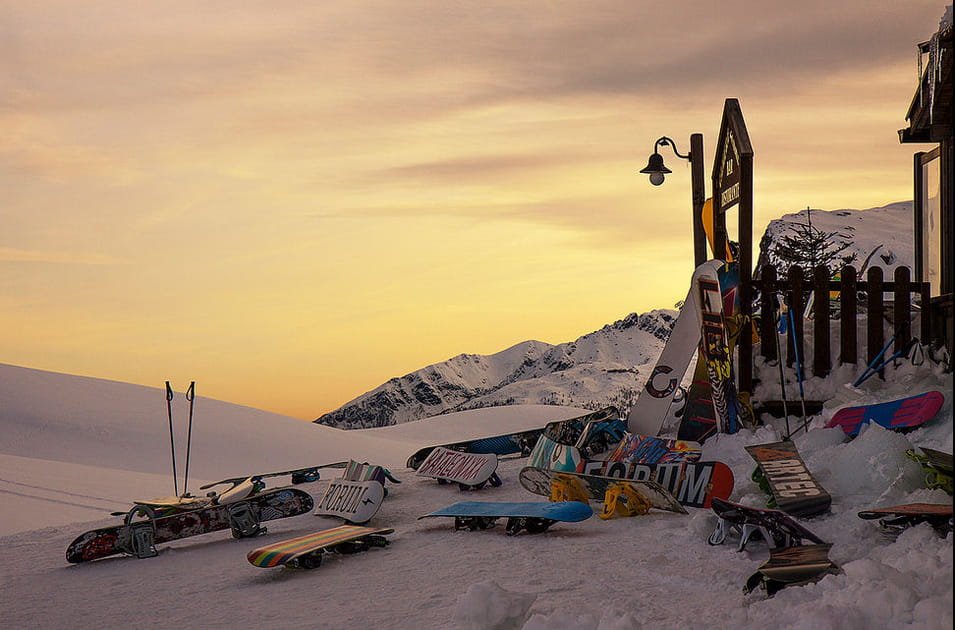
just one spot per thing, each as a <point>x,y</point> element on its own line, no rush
<point>644,449</point>
<point>140,537</point>
<point>306,552</point>
<point>533,518</point>
<point>694,484</point>
<point>541,481</point>
<point>649,412</point>
<point>468,470</point>
<point>792,486</point>
<point>898,415</point>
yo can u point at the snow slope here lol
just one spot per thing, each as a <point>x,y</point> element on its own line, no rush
<point>71,442</point>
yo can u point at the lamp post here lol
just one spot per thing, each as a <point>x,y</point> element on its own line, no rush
<point>658,171</point>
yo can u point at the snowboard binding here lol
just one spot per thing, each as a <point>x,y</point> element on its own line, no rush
<point>567,488</point>
<point>622,499</point>
<point>532,525</point>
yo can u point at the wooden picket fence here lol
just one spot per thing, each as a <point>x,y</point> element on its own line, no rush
<point>881,315</point>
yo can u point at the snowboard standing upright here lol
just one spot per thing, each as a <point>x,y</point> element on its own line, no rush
<point>650,411</point>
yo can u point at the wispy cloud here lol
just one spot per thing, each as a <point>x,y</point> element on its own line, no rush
<point>15,255</point>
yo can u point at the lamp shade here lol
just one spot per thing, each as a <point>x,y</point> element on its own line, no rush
<point>656,165</point>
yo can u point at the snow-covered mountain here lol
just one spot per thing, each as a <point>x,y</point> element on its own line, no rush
<point>882,236</point>
<point>598,369</point>
<point>608,366</point>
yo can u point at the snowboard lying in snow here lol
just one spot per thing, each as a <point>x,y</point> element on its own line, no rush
<point>533,518</point>
<point>593,487</point>
<point>693,483</point>
<point>520,442</point>
<point>469,470</point>
<point>896,518</point>
<point>140,537</point>
<point>357,496</point>
<point>898,415</point>
<point>306,552</point>
<point>796,555</point>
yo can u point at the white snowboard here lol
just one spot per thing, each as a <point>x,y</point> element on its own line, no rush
<point>649,412</point>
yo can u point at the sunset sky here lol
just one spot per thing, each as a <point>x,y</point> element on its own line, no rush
<point>292,202</point>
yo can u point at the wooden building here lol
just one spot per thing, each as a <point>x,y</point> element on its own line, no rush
<point>930,119</point>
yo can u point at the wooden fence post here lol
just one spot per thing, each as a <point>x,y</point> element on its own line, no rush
<point>767,312</point>
<point>902,307</point>
<point>820,322</point>
<point>847,318</point>
<point>797,304</point>
<point>875,338</point>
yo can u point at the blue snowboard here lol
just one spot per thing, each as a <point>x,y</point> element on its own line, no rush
<point>897,415</point>
<point>533,517</point>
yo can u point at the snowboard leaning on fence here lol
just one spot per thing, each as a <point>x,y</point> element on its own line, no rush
<point>140,537</point>
<point>649,412</point>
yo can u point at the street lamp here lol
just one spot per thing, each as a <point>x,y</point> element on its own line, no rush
<point>657,171</point>
<point>655,168</point>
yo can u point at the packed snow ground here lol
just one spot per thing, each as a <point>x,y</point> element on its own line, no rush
<point>72,449</point>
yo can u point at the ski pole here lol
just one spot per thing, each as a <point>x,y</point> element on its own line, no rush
<point>172,441</point>
<point>191,397</point>
<point>782,381</point>
<point>870,370</point>
<point>802,396</point>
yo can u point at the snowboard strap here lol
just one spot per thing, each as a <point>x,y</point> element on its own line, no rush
<point>567,488</point>
<point>242,520</point>
<point>622,499</point>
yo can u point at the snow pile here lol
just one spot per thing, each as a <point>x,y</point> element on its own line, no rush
<point>487,606</point>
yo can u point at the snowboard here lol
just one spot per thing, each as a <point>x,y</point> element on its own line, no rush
<point>140,537</point>
<point>937,467</point>
<point>355,471</point>
<point>699,415</point>
<point>533,518</point>
<point>898,415</point>
<point>297,475</point>
<point>306,552</point>
<point>520,442</point>
<point>643,449</point>
<point>541,481</point>
<point>781,471</point>
<point>897,518</point>
<point>715,353</point>
<point>592,433</point>
<point>779,529</point>
<point>554,455</point>
<point>792,566</point>
<point>647,415</point>
<point>354,501</point>
<point>693,483</point>
<point>564,444</point>
<point>469,470</point>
